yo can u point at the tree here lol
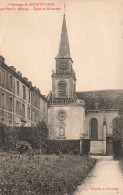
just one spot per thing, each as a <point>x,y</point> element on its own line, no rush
<point>37,136</point>
<point>11,137</point>
<point>42,133</point>
<point>117,125</point>
<point>117,128</point>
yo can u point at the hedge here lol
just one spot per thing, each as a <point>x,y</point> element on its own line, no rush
<point>63,146</point>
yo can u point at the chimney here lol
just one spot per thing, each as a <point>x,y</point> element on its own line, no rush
<point>25,79</point>
<point>30,83</point>
<point>19,73</point>
<point>13,68</point>
<point>38,90</point>
<point>2,59</point>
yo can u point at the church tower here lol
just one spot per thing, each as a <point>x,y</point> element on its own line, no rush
<point>64,79</point>
<point>65,112</point>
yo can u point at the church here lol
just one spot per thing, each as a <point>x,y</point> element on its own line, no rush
<point>75,115</point>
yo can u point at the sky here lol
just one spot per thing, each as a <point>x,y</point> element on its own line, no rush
<point>29,41</point>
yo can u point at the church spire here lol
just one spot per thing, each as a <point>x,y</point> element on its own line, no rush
<point>64,50</point>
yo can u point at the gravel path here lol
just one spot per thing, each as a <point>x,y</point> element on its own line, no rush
<point>105,179</point>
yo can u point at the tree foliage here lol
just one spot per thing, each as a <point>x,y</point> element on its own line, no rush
<point>37,136</point>
<point>117,124</point>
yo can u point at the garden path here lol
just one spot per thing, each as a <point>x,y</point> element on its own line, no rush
<point>105,179</point>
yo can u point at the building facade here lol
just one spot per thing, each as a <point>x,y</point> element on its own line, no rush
<point>73,115</point>
<point>66,113</point>
<point>21,104</point>
<point>101,109</point>
<point>69,114</point>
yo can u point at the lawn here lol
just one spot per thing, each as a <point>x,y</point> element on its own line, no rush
<point>42,175</point>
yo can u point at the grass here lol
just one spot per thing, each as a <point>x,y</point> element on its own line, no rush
<point>42,175</point>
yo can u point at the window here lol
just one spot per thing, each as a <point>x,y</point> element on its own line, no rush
<point>10,117</point>
<point>10,104</point>
<point>94,129</point>
<point>62,88</point>
<point>3,78</point>
<point>17,107</point>
<point>2,116</point>
<point>33,115</point>
<point>36,101</point>
<point>23,110</point>
<point>18,87</point>
<point>24,92</point>
<point>29,95</point>
<point>3,100</point>
<point>28,113</point>
<point>11,82</point>
<point>36,117</point>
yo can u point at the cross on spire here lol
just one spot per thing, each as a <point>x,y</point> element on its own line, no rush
<point>64,7</point>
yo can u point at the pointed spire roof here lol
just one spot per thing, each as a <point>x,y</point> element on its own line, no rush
<point>64,49</point>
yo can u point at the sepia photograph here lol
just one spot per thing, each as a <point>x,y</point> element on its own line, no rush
<point>61,97</point>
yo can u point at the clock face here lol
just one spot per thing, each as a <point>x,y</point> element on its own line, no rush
<point>61,115</point>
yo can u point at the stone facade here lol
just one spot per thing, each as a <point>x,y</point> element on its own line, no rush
<point>104,129</point>
<point>101,116</point>
<point>66,114</point>
<point>20,103</point>
<point>66,121</point>
<point>69,114</point>
<point>73,115</point>
<point>101,109</point>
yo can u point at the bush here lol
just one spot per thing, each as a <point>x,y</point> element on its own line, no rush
<point>85,146</point>
<point>37,136</point>
<point>63,146</point>
<point>8,137</point>
<point>23,146</point>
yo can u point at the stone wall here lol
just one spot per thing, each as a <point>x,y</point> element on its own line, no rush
<point>98,147</point>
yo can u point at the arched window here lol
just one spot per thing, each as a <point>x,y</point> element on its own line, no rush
<point>94,129</point>
<point>62,88</point>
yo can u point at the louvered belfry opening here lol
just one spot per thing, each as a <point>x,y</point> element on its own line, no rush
<point>62,89</point>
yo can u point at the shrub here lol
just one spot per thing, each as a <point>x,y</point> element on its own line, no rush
<point>8,137</point>
<point>63,146</point>
<point>85,146</point>
<point>23,146</point>
<point>37,136</point>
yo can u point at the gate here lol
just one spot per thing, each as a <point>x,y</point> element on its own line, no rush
<point>109,146</point>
